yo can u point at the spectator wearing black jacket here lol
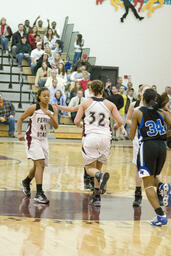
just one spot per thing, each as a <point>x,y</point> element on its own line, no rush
<point>23,51</point>
<point>16,38</point>
<point>130,99</point>
<point>118,100</point>
<point>83,62</point>
<point>43,58</point>
<point>108,88</point>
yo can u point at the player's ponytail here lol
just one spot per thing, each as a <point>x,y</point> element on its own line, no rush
<point>97,87</point>
<point>150,97</point>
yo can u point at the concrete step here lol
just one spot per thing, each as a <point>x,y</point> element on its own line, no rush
<point>15,96</point>
<point>15,87</point>
<point>24,106</point>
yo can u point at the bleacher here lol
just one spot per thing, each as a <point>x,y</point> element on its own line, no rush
<point>19,86</point>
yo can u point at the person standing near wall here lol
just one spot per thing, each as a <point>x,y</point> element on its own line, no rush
<point>78,45</point>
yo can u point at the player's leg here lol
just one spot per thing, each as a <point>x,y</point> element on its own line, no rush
<point>40,196</point>
<point>26,182</point>
<point>138,190</point>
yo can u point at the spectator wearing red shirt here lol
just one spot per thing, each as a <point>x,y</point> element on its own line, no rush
<point>85,80</point>
<point>34,38</point>
<point>5,34</point>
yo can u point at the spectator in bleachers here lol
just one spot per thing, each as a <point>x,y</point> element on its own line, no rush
<point>68,93</point>
<point>85,80</point>
<point>69,73</point>
<point>7,113</point>
<point>34,38</point>
<point>53,76</point>
<point>27,27</point>
<point>48,50</point>
<point>40,29</point>
<point>54,87</point>
<point>83,62</point>
<point>42,74</point>
<point>43,58</point>
<point>78,45</point>
<point>59,100</point>
<point>108,88</point>
<point>87,92</point>
<point>58,48</point>
<point>35,56</point>
<point>16,38</point>
<point>23,51</point>
<point>75,101</point>
<point>50,39</point>
<point>56,61</point>
<point>61,72</point>
<point>75,89</point>
<point>56,31</point>
<point>119,84</point>
<point>5,34</point>
<point>77,75</point>
<point>168,91</point>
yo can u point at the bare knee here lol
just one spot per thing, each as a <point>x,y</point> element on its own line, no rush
<point>148,181</point>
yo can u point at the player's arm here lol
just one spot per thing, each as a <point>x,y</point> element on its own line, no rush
<point>116,116</point>
<point>79,115</point>
<point>134,124</point>
<point>130,113</point>
<point>27,113</point>
<point>54,117</point>
<point>66,108</point>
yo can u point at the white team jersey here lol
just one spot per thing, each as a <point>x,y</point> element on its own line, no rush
<point>39,124</point>
<point>97,118</point>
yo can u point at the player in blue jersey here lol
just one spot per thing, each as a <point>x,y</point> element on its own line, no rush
<point>150,122</point>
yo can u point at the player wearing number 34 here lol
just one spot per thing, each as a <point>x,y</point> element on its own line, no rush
<point>152,150</point>
<point>96,140</point>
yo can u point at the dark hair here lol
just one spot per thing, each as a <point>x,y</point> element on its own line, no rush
<point>150,97</point>
<point>131,89</point>
<point>60,93</point>
<point>79,39</point>
<point>97,87</point>
<point>162,99</point>
<point>40,91</point>
<point>47,34</point>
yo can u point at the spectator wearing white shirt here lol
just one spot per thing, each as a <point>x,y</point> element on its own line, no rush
<point>50,39</point>
<point>55,87</point>
<point>35,55</point>
<point>53,76</point>
<point>56,61</point>
<point>87,93</point>
<point>61,73</point>
<point>78,45</point>
<point>77,75</point>
<point>75,101</point>
<point>56,31</point>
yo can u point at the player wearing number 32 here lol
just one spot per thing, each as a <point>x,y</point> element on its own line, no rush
<point>96,140</point>
<point>152,150</point>
<point>41,115</point>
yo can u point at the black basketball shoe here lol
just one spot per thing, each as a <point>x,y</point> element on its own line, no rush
<point>102,178</point>
<point>41,198</point>
<point>25,188</point>
<point>96,199</point>
<point>138,199</point>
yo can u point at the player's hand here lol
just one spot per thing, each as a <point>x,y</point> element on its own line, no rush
<point>55,105</point>
<point>124,132</point>
<point>47,112</point>
<point>21,137</point>
<point>115,127</point>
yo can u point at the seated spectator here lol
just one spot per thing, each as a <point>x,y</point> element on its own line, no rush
<point>59,100</point>
<point>56,31</point>
<point>54,87</point>
<point>27,27</point>
<point>78,45</point>
<point>77,75</point>
<point>68,93</point>
<point>77,100</point>
<point>56,61</point>
<point>7,113</point>
<point>48,50</point>
<point>43,58</point>
<point>50,39</point>
<point>40,29</point>
<point>87,92</point>
<point>35,56</point>
<point>119,84</point>
<point>77,87</point>
<point>83,62</point>
<point>58,48</point>
<point>69,73</point>
<point>85,80</point>
<point>5,34</point>
<point>23,51</point>
<point>34,38</point>
<point>61,72</point>
<point>108,88</point>
<point>42,74</point>
<point>16,38</point>
<point>53,76</point>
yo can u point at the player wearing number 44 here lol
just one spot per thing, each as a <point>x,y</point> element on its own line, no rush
<point>152,150</point>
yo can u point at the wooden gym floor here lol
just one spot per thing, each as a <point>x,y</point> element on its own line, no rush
<point>68,226</point>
